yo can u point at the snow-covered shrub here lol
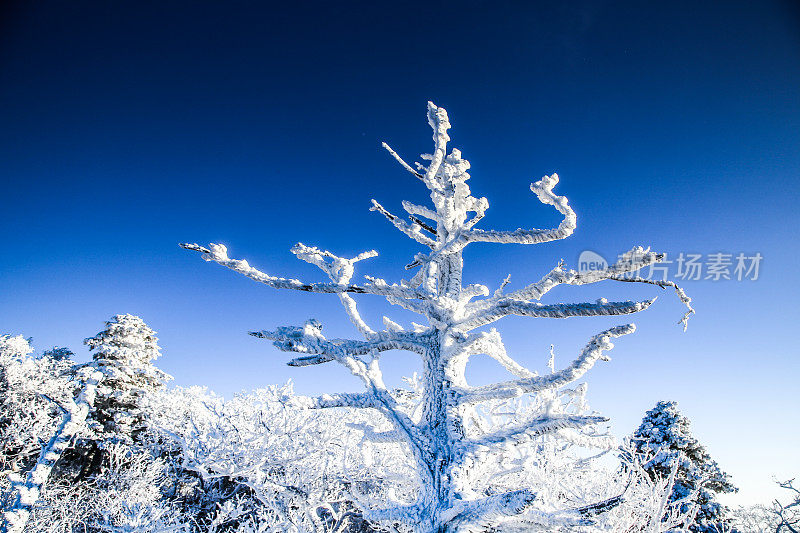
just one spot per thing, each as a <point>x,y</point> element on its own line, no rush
<point>126,495</point>
<point>45,405</point>
<point>46,402</point>
<point>752,519</point>
<point>259,459</point>
<point>27,416</point>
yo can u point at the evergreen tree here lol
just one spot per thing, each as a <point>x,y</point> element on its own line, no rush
<point>124,352</point>
<point>664,437</point>
<point>57,353</point>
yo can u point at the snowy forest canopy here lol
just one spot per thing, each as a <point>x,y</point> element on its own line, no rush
<point>107,446</point>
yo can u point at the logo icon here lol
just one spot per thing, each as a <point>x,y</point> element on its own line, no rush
<point>589,260</point>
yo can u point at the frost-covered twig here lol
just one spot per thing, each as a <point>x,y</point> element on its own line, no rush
<point>788,514</point>
<point>403,163</point>
<point>664,284</point>
<point>412,230</point>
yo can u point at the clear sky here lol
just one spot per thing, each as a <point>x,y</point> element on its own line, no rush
<point>127,127</point>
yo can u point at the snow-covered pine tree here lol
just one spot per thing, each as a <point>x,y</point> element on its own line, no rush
<point>124,352</point>
<point>664,437</point>
<point>433,428</point>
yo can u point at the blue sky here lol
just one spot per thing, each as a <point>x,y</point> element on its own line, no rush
<point>127,128</point>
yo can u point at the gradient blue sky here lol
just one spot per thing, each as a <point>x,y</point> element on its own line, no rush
<point>128,127</point>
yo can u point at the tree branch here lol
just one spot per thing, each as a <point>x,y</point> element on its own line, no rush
<point>475,512</point>
<point>309,339</point>
<point>403,163</point>
<point>340,271</point>
<point>586,360</point>
<point>544,191</point>
<point>510,306</point>
<point>534,428</point>
<point>412,230</point>
<point>361,400</point>
<point>218,253</point>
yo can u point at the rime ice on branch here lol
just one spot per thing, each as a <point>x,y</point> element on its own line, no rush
<point>435,433</point>
<point>28,489</point>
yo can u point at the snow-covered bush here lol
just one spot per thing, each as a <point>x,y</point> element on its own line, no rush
<point>26,417</point>
<point>45,405</point>
<point>432,425</point>
<point>125,496</point>
<point>46,402</point>
<point>258,459</point>
<point>751,519</point>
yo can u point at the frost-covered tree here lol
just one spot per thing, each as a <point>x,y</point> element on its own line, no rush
<point>29,413</point>
<point>26,417</point>
<point>124,352</point>
<point>28,383</point>
<point>665,435</point>
<point>433,427</point>
<point>787,515</point>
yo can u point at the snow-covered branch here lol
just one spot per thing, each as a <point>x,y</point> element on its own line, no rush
<point>309,339</point>
<point>218,253</point>
<point>403,163</point>
<point>491,344</point>
<point>440,123</point>
<point>631,261</point>
<point>412,230</point>
<point>508,306</point>
<point>481,511</point>
<point>543,189</point>
<point>685,300</point>
<point>534,428</point>
<point>586,360</point>
<point>339,270</point>
<point>485,311</point>
<point>342,399</point>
